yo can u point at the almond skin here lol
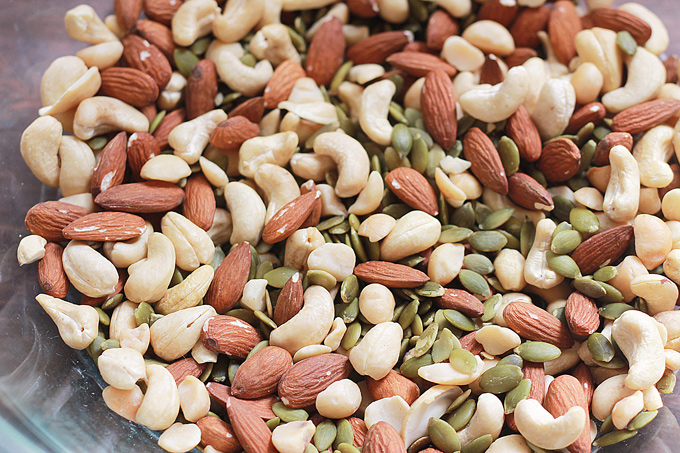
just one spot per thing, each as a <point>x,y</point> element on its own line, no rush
<point>363,8</point>
<point>289,218</point>
<point>535,372</point>
<point>161,10</point>
<point>141,54</point>
<point>282,82</point>
<point>440,26</point>
<point>259,375</point>
<point>105,226</point>
<point>129,85</point>
<point>418,64</point>
<point>141,197</point>
<point>290,301</point>
<point>492,73</point>
<point>51,275</point>
<point>560,160</point>
<point>230,278</point>
<point>394,384</point>
<point>528,23</point>
<point>251,431</point>
<point>470,343</point>
<point>383,438</point>
<point>218,434</point>
<point>563,25</point>
<point>438,101</point>
<point>252,109</point>
<point>589,113</point>
<point>486,163</point>
<point>534,323</point>
<point>201,89</point>
<point>199,202</point>
<point>326,52</point>
<point>612,139</point>
<point>49,218</point>
<point>159,35</point>
<point>392,275</point>
<point>376,48</point>
<point>582,315</point>
<point>496,11</point>
<point>582,373</point>
<point>523,131</point>
<point>141,146</point>
<point>461,300</point>
<point>619,20</point>
<point>185,367</point>
<point>564,393</point>
<point>645,116</point>
<point>528,193</point>
<point>262,407</point>
<point>110,170</point>
<point>232,132</point>
<point>168,123</point>
<point>413,189</point>
<point>228,335</point>
<point>301,384</point>
<point>359,429</point>
<point>602,249</point>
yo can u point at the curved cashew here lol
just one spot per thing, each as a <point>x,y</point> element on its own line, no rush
<point>122,320</point>
<point>646,76</point>
<point>190,138</point>
<point>274,149</point>
<point>598,46</point>
<point>496,103</point>
<point>40,149</point>
<point>652,153</point>
<point>433,403</point>
<point>490,37</point>
<point>247,212</point>
<point>103,55</point>
<point>193,20</point>
<point>310,325</point>
<point>457,8</point>
<point>299,245</point>
<point>554,108</point>
<point>126,253</point>
<point>587,81</point>
<point>278,185</point>
<point>351,159</point>
<point>351,94</point>
<point>658,42</point>
<point>537,272</point>
<point>83,24</point>
<point>445,263</point>
<point>238,18</point>
<point>101,114</point>
<point>160,406</point>
<point>240,77</point>
<point>653,240</point>
<point>370,197</point>
<point>149,279</point>
<point>273,43</point>
<point>444,373</point>
<point>638,337</point>
<point>413,233</point>
<point>364,73</point>
<point>658,291</point>
<point>541,429</point>
<point>87,270</point>
<point>311,165</point>
<point>82,88</point>
<point>453,194</point>
<point>77,324</point>
<point>77,164</point>
<point>461,54</point>
<point>306,91</point>
<point>537,72</point>
<point>513,443</point>
<point>607,394</point>
<point>568,359</point>
<point>622,198</point>
<point>375,104</point>
<point>626,409</point>
<point>317,112</point>
<point>193,246</point>
<point>488,419</point>
<point>175,334</point>
<point>173,92</point>
<point>412,96</point>
<point>331,204</point>
<point>137,338</point>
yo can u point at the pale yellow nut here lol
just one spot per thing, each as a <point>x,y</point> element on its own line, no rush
<point>376,303</point>
<point>190,138</point>
<point>432,403</point>
<point>513,443</point>
<point>537,272</point>
<point>126,253</point>
<point>247,212</point>
<point>541,429</point>
<point>488,420</point>
<point>311,165</point>
<point>122,367</point>
<point>490,37</point>
<point>412,97</point>
<point>670,205</point>
<point>31,249</point>
<point>461,54</point>
<point>587,81</point>
<point>242,78</point>
<point>278,185</point>
<point>40,149</point>
<point>336,334</point>
<point>61,74</point>
<point>213,172</point>
<point>497,340</point>
<point>378,351</point>
<point>496,103</point>
<point>311,350</point>
<point>201,354</point>
<point>413,233</point>
<point>445,263</point>
<point>627,270</point>
<point>122,320</point>
<point>509,268</point>
<point>77,165</point>
<point>589,197</point>
<point>274,149</point>
<point>370,197</point>
<point>598,46</point>
<point>192,244</point>
<point>254,293</point>
<point>350,157</point>
<point>192,20</point>
<point>336,259</point>
<point>446,374</point>
<point>137,338</point>
<point>83,24</point>
<point>554,107</point>
<point>293,437</point>
<point>84,200</point>
<point>299,245</point>
<point>658,291</point>
<point>375,102</point>
<point>77,324</point>
<point>658,42</point>
<point>351,94</point>
<point>626,409</point>
<point>187,293</point>
<point>622,198</point>
<point>175,334</point>
<point>87,270</point>
<point>273,42</point>
<point>339,400</point>
<point>238,18</point>
<point>101,114</point>
<point>148,279</point>
<point>650,203</point>
<point>194,399</point>
<point>653,240</point>
<point>391,410</point>
<point>377,226</point>
<point>652,153</point>
<point>173,92</point>
<point>646,75</point>
<point>180,438</point>
<point>103,55</point>
<point>123,402</point>
<point>165,167</point>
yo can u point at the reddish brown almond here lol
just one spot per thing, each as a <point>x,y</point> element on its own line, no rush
<point>262,407</point>
<point>199,203</point>
<point>413,189</point>
<point>51,275</point>
<point>383,438</point>
<point>528,23</point>
<point>129,85</point>
<point>127,12</point>
<point>519,56</point>
<point>440,26</point>
<point>418,46</point>
<point>219,435</point>
<point>394,384</point>
<point>231,336</point>
<point>302,383</point>
<point>671,65</point>
<point>619,20</point>
<point>470,343</point>
<point>611,140</point>
<point>167,124</point>
<point>461,300</point>
<point>497,11</point>
<point>141,197</point>
<point>523,131</point>
<point>534,323</point>
<point>326,52</point>
<point>259,375</point>
<point>438,101</point>
<point>105,226</point>
<point>392,275</point>
<point>159,35</point>
<point>486,163</point>
<point>582,315</point>
<point>252,109</point>
<point>419,64</point>
<point>48,219</point>
<point>359,429</point>
<point>314,217</point>
<point>535,372</point>
<point>602,249</point>
<point>528,193</point>
<point>161,10</point>
<point>563,25</point>
<point>582,373</point>
<point>431,450</point>
<point>376,48</point>
<point>251,431</point>
<point>363,8</point>
<point>282,82</point>
<point>289,218</point>
<point>564,393</point>
<point>141,54</point>
<point>560,160</point>
<point>230,278</point>
<point>492,73</point>
<point>231,133</point>
<point>149,111</point>
<point>589,113</point>
<point>290,301</point>
<point>110,170</point>
<point>185,367</point>
<point>645,116</point>
<point>141,146</point>
<point>201,89</point>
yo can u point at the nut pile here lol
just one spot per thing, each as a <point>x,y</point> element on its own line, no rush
<point>370,225</point>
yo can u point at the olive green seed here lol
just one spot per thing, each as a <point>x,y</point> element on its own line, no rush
<point>408,314</point>
<point>604,274</point>
<point>614,364</point>
<point>509,154</point>
<point>640,304</point>
<point>512,359</point>
<point>219,370</point>
<point>266,320</point>
<point>143,313</point>
<point>582,136</point>
<point>340,228</point>
<point>497,219</point>
<point>340,76</point>
<point>563,207</point>
<point>425,305</point>
<point>273,423</point>
<point>482,211</point>
<point>95,349</point>
<point>539,177</point>
<point>429,141</point>
<point>112,302</point>
<point>642,419</point>
<point>565,242</point>
<point>261,345</point>
<point>310,448</point>
<point>613,311</point>
<point>287,414</point>
<point>279,276</point>
<point>419,155</point>
<point>218,257</point>
<point>474,282</point>
<point>464,124</point>
<point>97,143</point>
<point>513,226</point>
<point>526,237</point>
<point>104,318</point>
<point>297,40</point>
<point>263,268</point>
<point>478,263</point>
<point>351,336</point>
<point>430,289</point>
<point>600,347</point>
<point>626,42</point>
<point>463,361</point>
<point>330,222</point>
<point>397,113</point>
<point>516,395</point>
<point>417,326</point>
<point>200,46</point>
<point>479,445</point>
<point>231,97</point>
<point>458,402</point>
<point>587,150</point>
<point>231,370</point>
<point>563,265</point>
<point>325,435</point>
<point>109,344</point>
<point>562,226</point>
<point>396,210</point>
<point>464,216</point>
<point>614,438</point>
<point>345,433</point>
<point>412,115</point>
<point>500,379</point>
<point>607,425</point>
<point>612,295</point>
<point>459,320</point>
<point>401,139</point>
<point>442,347</point>
<point>177,278</point>
<point>349,289</point>
<point>244,315</point>
<point>584,220</point>
<point>321,278</point>
<point>410,367</point>
<point>349,312</point>
<point>454,234</point>
<point>185,60</point>
<point>490,307</point>
<point>513,242</point>
<point>462,415</point>
<point>538,351</point>
<point>443,436</point>
<point>589,287</point>
<point>347,448</point>
<point>666,384</point>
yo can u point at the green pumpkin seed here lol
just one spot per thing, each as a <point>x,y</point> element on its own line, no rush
<point>463,361</point>
<point>588,150</point>
<point>349,312</point>
<point>345,433</point>
<point>563,265</point>
<point>185,60</point>
<point>490,307</point>
<point>104,318</point>
<point>231,370</point>
<point>479,445</point>
<point>454,234</point>
<point>640,304</point>
<point>526,237</point>
<point>604,274</point>
<point>584,220</point>
<point>612,295</point>
<point>516,395</point>
<point>310,448</point>
<point>478,263</point>
<point>109,344</point>
<point>474,282</point>
<point>218,257</point>
<point>513,242</point>
<point>325,435</point>
<point>287,414</point>
<point>589,287</point>
<point>419,154</point>
<point>426,339</point>
<point>613,311</point>
<point>459,320</point>
<point>443,436</point>
<point>408,314</point>
<point>442,347</point>
<point>177,278</point>
<point>330,222</point>
<point>562,226</point>
<point>340,76</point>
<point>430,289</point>
<point>434,156</point>
<point>565,242</point>
<point>273,423</point>
<point>497,219</point>
<point>626,42</point>
<point>156,121</point>
<point>396,210</point>
<point>509,154</point>
<point>143,313</point>
<point>462,416</point>
<point>464,216</point>
<point>347,448</point>
<point>614,364</point>
<point>112,302</point>
<point>349,289</point>
<point>351,336</point>
<point>263,268</point>
<point>667,382</point>
<point>412,115</point>
<point>244,315</point>
<point>614,438</point>
<point>459,400</point>
<point>538,351</point>
<point>219,370</point>
<point>279,276</point>
<point>512,359</point>
<point>261,345</point>
<point>600,347</point>
<point>500,379</point>
<point>410,367</point>
<point>401,139</point>
<point>607,425</point>
<point>97,143</point>
<point>264,319</point>
<point>321,278</point>
<point>340,228</point>
<point>642,419</point>
<point>563,206</point>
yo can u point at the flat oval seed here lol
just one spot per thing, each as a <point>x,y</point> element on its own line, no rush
<point>185,60</point>
<point>600,347</point>
<point>538,351</point>
<point>565,242</point>
<point>462,416</point>
<point>443,436</point>
<point>583,220</point>
<point>478,263</point>
<point>411,366</point>
<point>497,219</point>
<point>604,274</point>
<point>487,241</point>
<point>612,295</point>
<point>626,42</point>
<point>261,345</point>
<point>607,425</point>
<point>563,265</point>
<point>430,289</point>
<point>345,434</point>
<point>512,359</point>
<point>614,364</point>
<point>509,153</point>
<point>401,139</point>
<point>463,361</point>
<point>642,419</point>
<point>490,307</point>
<point>143,313</point>
<point>330,222</point>
<point>563,206</point>
<point>667,382</point>
<point>516,395</point>
<point>426,339</point>
<point>310,448</point>
<point>273,423</point>
<point>459,320</point>
<point>287,414</point>
<point>513,242</point>
<point>614,438</point>
<point>325,435</point>
<point>588,150</point>
<point>409,314</point>
<point>479,445</point>
<point>474,282</point>
<point>526,237</point>
<point>454,234</point>
<point>347,448</point>
<point>613,311</point>
<point>349,289</point>
<point>351,336</point>
<point>321,278</point>
<point>419,154</point>
<point>589,287</point>
<point>500,379</point>
<point>441,349</point>
<point>279,276</point>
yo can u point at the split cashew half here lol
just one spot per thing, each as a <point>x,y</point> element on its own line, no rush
<point>375,104</point>
<point>537,272</point>
<point>622,198</point>
<point>496,103</point>
<point>240,77</point>
<point>77,324</point>
<point>554,108</point>
<point>543,430</point>
<point>652,153</point>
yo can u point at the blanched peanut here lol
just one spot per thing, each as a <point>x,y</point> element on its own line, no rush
<point>509,267</point>
<point>340,399</point>
<point>77,324</point>
<point>201,354</point>
<point>173,92</point>
<point>122,367</point>
<point>312,350</point>
<point>293,437</point>
<point>377,226</point>
<point>445,263</point>
<point>413,233</point>
<point>336,259</point>
<point>254,294</point>
<point>376,303</point>
<point>630,268</point>
<point>31,249</point>
<point>378,351</point>
<point>622,198</point>
<point>653,240</point>
<point>123,402</point>
<point>194,399</point>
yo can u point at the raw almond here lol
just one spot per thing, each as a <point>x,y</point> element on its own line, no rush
<point>392,275</point>
<point>582,373</point>
<point>671,65</point>
<point>262,407</point>
<point>252,109</point>
<point>290,301</point>
<point>528,23</point>
<point>486,163</point>
<point>185,367</point>
<point>161,10</point>
<point>589,113</point>
<point>259,375</point>
<point>326,52</point>
<point>438,101</point>
<point>528,193</point>
<point>602,249</point>
<point>218,434</point>
<point>199,203</point>
<point>619,20</point>
<point>413,189</point>
<point>536,324</point>
<point>498,11</point>
<point>129,85</point>
<point>376,48</point>
<point>582,315</point>
<point>470,343</point>
<point>251,431</point>
<point>51,275</point>
<point>228,335</point>
<point>232,132</point>
<point>201,89</point>
<point>359,429</point>
<point>141,197</point>
<point>564,393</point>
<point>611,140</point>
<point>645,116</point>
<point>110,170</point>
<point>418,64</point>
<point>440,26</point>
<point>394,384</point>
<point>492,73</point>
<point>519,56</point>
<point>159,35</point>
<point>127,12</point>
<point>383,438</point>
<point>523,131</point>
<point>282,82</point>
<point>141,54</point>
<point>168,123</point>
<point>363,8</point>
<point>230,278</point>
<point>535,372</point>
<point>105,226</point>
<point>563,25</point>
<point>461,300</point>
<point>48,219</point>
<point>289,218</point>
<point>560,160</point>
<point>141,146</point>
<point>301,384</point>
<point>314,217</point>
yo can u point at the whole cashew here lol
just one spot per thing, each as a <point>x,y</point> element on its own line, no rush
<point>646,76</point>
<point>375,104</point>
<point>364,73</point>
<point>240,77</point>
<point>461,54</point>
<point>488,419</point>
<point>444,373</point>
<point>310,325</point>
<point>541,429</point>
<point>638,337</point>
<point>149,279</point>
<point>299,245</point>
<point>274,149</point>
<point>351,94</point>
<point>626,409</point>
<point>652,153</point>
<point>622,198</point>
<point>193,20</point>
<point>87,270</point>
<point>101,114</point>
<point>77,324</point>
<point>247,212</point>
<point>273,43</point>
<point>193,246</point>
<point>496,103</point>
<point>433,403</point>
<point>351,159</point>
<point>537,72</point>
<point>658,42</point>
<point>587,81</point>
<point>40,149</point>
<point>160,405</point>
<point>278,185</point>
<point>190,138</point>
<point>537,272</point>
<point>554,108</point>
<point>239,17</point>
<point>103,55</point>
<point>77,164</point>
<point>370,197</point>
<point>126,253</point>
<point>83,24</point>
<point>490,37</point>
<point>311,165</point>
<point>176,333</point>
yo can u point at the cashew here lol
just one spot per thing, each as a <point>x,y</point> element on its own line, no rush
<point>31,249</point>
<point>103,55</point>
<point>160,406</point>
<point>122,320</point>
<point>658,42</point>
<point>513,443</point>
<point>378,351</point>
<point>496,103</point>
<point>190,138</point>
<point>509,267</point>
<point>173,92</point>
<point>370,197</point>
<point>336,259</point>
<point>598,46</point>
<point>240,77</point>
<point>278,185</point>
<point>77,324</point>
<point>274,149</point>
<point>193,20</point>
<point>391,410</point>
<point>375,103</point>
<point>351,159</point>
<point>646,75</point>
<point>622,198</point>
<point>40,149</point>
<point>541,429</point>
<point>334,337</point>
<point>238,18</point>
<point>299,245</point>
<point>497,340</point>
<point>626,409</point>
<point>653,240</point>
<point>273,43</point>
<point>192,244</point>
<point>175,334</point>
<point>537,272</point>
<point>84,87</point>
<point>331,204</point>
<point>446,374</point>
<point>77,164</point>
<point>123,402</point>
<point>137,338</point>
<point>638,337</point>
<point>87,270</point>
<point>317,112</point>
<point>453,194</point>
<point>607,394</point>
<point>126,253</point>
<point>445,263</point>
<point>311,165</point>
<point>659,292</point>
<point>413,233</point>
<point>554,108</point>
<point>652,153</point>
<point>490,37</point>
<point>457,8</point>
<point>461,54</point>
<point>537,71</point>
<point>351,94</point>
<point>101,114</point>
<point>149,279</point>
<point>180,437</point>
<point>432,403</point>
<point>188,293</point>
<point>122,367</point>
<point>83,24</point>
<point>364,73</point>
<point>488,419</point>
<point>394,11</point>
<point>247,212</point>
